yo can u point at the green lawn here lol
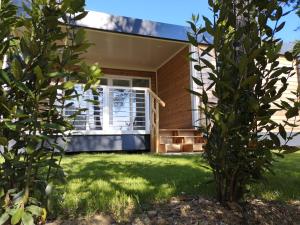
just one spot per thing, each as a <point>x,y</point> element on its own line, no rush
<point>120,183</point>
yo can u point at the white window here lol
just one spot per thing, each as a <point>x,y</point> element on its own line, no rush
<point>91,118</point>
<point>122,106</point>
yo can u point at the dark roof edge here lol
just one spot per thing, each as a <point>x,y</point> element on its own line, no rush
<point>144,28</point>
<point>139,27</point>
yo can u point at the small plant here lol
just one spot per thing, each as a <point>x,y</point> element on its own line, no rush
<point>39,53</point>
<point>241,87</point>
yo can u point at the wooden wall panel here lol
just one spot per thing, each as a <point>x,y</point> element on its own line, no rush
<point>173,79</point>
<point>293,85</point>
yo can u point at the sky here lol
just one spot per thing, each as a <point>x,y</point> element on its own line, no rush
<point>175,12</point>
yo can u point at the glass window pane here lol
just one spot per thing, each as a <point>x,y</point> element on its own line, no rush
<point>103,81</point>
<point>121,83</point>
<point>90,119</point>
<point>140,83</point>
<point>120,109</point>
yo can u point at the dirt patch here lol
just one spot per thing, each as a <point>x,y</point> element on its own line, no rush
<point>187,210</point>
<point>100,219</point>
<point>201,211</point>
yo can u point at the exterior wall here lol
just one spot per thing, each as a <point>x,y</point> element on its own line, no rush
<point>196,100</point>
<point>132,73</point>
<point>293,85</point>
<point>173,79</point>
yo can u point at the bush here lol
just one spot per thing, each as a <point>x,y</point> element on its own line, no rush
<point>38,54</point>
<point>240,69</point>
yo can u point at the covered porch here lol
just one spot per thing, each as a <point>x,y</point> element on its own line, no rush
<point>143,101</point>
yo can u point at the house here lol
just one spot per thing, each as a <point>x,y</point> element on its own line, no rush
<point>144,102</point>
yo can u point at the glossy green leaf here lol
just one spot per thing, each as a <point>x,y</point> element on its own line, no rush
<point>197,81</point>
<point>285,104</point>
<point>208,25</point>
<point>282,132</point>
<point>38,72</point>
<point>292,112</point>
<point>4,218</point>
<point>208,64</point>
<point>79,36</point>
<point>280,27</point>
<point>2,193</point>
<point>81,15</point>
<point>289,56</point>
<point>4,76</point>
<point>35,210</point>
<point>192,40</point>
<point>3,141</point>
<point>194,92</point>
<point>193,26</point>
<point>278,14</point>
<point>56,74</point>
<point>27,219</point>
<point>16,69</point>
<point>204,97</point>
<point>54,126</point>
<point>68,85</point>
<point>275,139</point>
<point>11,126</point>
<point>268,30</point>
<point>16,216</point>
<point>22,87</point>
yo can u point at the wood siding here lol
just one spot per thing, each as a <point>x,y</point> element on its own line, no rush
<point>293,85</point>
<point>132,73</point>
<point>173,79</point>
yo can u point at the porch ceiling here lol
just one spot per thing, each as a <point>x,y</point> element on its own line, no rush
<point>121,51</point>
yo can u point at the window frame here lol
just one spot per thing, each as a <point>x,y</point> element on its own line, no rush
<point>106,109</point>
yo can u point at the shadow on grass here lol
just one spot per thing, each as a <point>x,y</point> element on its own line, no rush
<point>121,184</point>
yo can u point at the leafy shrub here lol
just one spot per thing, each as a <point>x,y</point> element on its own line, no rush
<point>40,58</point>
<point>240,69</point>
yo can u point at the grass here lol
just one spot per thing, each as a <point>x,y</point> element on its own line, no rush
<point>123,183</point>
<point>120,184</point>
<point>285,184</point>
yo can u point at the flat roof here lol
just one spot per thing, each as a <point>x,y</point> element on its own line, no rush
<point>127,25</point>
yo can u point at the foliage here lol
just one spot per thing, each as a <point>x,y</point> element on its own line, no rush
<point>241,86</point>
<point>296,5</point>
<point>121,184</point>
<point>296,49</point>
<point>38,54</point>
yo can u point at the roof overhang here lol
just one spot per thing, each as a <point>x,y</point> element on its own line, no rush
<point>131,52</point>
<point>126,25</point>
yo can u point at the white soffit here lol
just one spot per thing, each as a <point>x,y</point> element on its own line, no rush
<point>121,51</point>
